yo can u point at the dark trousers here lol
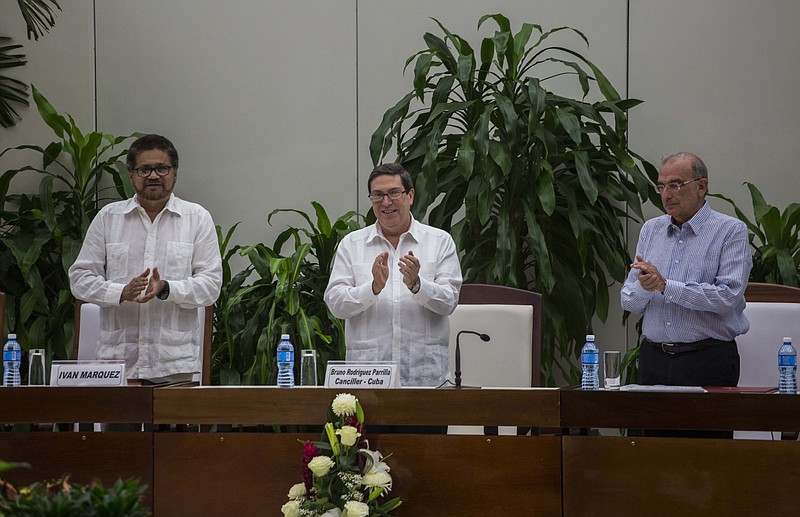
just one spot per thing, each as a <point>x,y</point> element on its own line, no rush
<point>711,365</point>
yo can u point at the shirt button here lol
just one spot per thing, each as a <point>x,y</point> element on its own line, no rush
<point>669,323</point>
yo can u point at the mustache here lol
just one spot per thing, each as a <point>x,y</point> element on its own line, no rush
<point>151,183</point>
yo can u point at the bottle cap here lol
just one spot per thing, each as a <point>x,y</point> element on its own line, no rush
<point>589,337</point>
<point>789,339</point>
<point>12,336</point>
<point>284,336</point>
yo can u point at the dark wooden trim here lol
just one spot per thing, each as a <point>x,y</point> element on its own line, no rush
<point>2,312</point>
<point>760,292</point>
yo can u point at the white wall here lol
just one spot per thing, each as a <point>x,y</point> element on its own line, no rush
<point>271,104</point>
<point>61,66</point>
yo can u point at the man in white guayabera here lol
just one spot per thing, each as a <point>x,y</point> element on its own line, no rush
<point>395,283</point>
<point>149,262</point>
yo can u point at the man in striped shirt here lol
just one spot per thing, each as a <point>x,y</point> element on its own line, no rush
<point>688,279</point>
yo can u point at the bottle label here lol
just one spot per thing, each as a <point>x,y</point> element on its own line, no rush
<point>590,358</point>
<point>286,356</point>
<point>787,360</point>
<point>12,355</point>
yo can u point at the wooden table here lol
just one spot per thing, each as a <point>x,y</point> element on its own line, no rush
<point>246,471</point>
<point>83,455</point>
<point>251,473</point>
<point>679,476</point>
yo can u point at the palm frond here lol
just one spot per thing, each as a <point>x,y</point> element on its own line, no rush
<point>39,16</point>
<point>12,91</point>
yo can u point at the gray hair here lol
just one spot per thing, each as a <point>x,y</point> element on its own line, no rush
<point>699,169</point>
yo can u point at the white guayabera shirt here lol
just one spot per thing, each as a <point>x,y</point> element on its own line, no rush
<point>160,337</point>
<point>396,325</point>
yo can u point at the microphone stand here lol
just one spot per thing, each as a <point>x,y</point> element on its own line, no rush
<point>484,337</point>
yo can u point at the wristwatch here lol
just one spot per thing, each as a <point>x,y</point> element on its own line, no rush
<point>164,292</point>
<point>415,288</point>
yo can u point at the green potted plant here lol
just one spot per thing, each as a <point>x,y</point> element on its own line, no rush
<point>532,185</point>
<point>285,296</point>
<point>41,234</point>
<point>773,238</point>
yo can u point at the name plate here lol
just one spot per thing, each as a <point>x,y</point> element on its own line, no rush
<point>362,374</point>
<point>87,373</point>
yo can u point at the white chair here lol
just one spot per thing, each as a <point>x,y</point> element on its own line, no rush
<point>773,312</point>
<point>511,318</point>
<point>87,333</point>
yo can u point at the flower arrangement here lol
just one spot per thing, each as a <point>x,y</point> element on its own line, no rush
<point>342,477</point>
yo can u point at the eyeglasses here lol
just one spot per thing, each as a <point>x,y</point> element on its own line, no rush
<point>161,170</point>
<point>674,185</point>
<point>377,197</point>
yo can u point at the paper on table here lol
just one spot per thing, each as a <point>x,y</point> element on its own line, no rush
<point>662,388</point>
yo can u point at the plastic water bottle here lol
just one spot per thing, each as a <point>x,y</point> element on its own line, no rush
<point>285,363</point>
<point>12,358</point>
<point>590,363</point>
<point>787,366</point>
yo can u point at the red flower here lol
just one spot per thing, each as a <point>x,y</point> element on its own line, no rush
<point>309,452</point>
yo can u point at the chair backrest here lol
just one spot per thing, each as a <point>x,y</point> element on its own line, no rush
<point>87,333</point>
<point>512,318</point>
<point>774,312</point>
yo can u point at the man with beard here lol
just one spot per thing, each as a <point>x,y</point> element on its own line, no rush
<point>149,262</point>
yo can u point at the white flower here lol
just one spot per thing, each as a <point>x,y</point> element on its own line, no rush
<point>378,479</point>
<point>297,491</point>
<point>291,509</point>
<point>344,405</point>
<point>333,512</point>
<point>376,472</point>
<point>348,435</point>
<point>320,465</point>
<point>356,509</point>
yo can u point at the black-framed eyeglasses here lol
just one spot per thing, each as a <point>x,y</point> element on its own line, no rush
<point>377,197</point>
<point>674,185</point>
<point>161,170</point>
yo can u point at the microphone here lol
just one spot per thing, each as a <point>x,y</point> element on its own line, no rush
<point>484,337</point>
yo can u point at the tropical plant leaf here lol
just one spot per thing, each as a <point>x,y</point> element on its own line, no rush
<point>12,91</point>
<point>529,182</point>
<point>39,16</point>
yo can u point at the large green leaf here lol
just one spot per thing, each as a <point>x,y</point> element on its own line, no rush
<point>541,176</point>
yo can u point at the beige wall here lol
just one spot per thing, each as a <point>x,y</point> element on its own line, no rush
<point>271,104</point>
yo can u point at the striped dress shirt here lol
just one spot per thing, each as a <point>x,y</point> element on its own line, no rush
<point>706,263</point>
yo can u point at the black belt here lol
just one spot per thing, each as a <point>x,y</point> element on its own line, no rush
<point>681,348</point>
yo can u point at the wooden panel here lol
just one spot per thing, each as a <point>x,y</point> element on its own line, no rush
<point>84,456</point>
<point>722,411</point>
<point>268,405</point>
<point>78,404</point>
<point>250,474</point>
<point>669,476</point>
<point>759,292</point>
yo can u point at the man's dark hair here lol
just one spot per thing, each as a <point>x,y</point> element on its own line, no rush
<point>148,143</point>
<point>390,169</point>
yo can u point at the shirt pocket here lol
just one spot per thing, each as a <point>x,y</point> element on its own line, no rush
<point>179,260</point>
<point>427,270</point>
<point>111,345</point>
<point>117,261</point>
<point>177,346</point>
<point>362,273</point>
